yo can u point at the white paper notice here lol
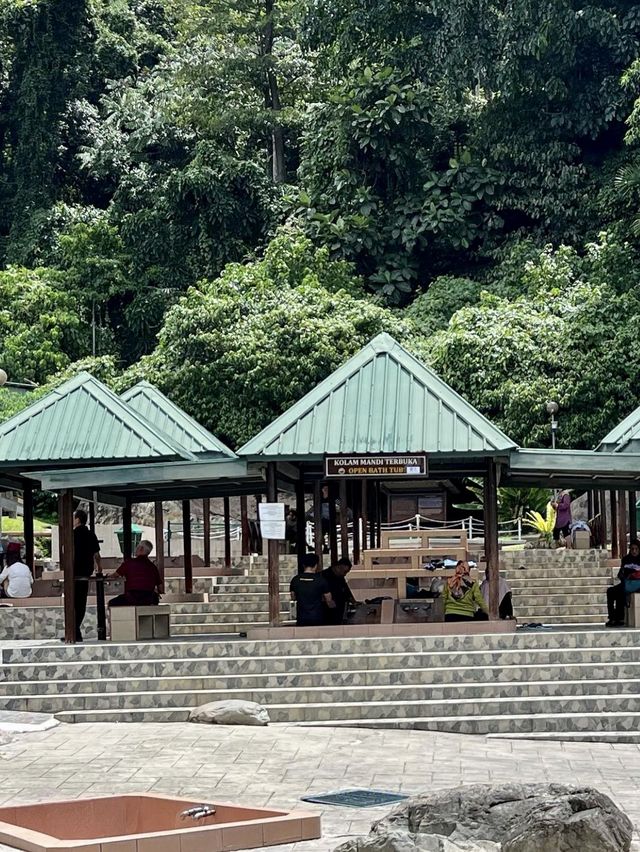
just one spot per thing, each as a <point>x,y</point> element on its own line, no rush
<point>272,525</point>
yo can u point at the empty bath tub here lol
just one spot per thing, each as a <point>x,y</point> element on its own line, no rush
<point>150,823</point>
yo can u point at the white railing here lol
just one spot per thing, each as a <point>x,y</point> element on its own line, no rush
<point>511,529</point>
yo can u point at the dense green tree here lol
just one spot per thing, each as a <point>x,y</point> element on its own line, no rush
<point>237,351</point>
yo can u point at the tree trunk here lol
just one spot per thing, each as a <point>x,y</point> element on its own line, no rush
<point>274,103</point>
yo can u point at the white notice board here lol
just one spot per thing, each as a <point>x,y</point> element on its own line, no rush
<point>272,525</point>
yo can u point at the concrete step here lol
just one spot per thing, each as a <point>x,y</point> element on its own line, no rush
<point>573,574</point>
<point>445,699</point>
<point>558,600</point>
<point>441,666</point>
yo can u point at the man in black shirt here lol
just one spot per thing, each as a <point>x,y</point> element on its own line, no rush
<point>616,596</point>
<point>86,554</point>
<point>311,592</point>
<point>335,576</point>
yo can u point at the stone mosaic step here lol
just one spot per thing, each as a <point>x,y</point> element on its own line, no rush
<point>443,666</point>
<point>341,697</point>
<point>518,642</point>
<point>554,599</point>
<point>212,618</point>
<point>557,573</point>
<point>621,723</point>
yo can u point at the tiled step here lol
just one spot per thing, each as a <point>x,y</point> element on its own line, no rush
<point>441,665</point>
<point>222,618</point>
<point>556,600</point>
<point>560,620</point>
<point>576,576</point>
<point>444,699</point>
<point>471,718</point>
<point>584,725</point>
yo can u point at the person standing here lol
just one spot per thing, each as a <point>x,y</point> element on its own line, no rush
<point>311,593</point>
<point>562,505</point>
<point>16,579</point>
<point>336,575</point>
<point>86,557</point>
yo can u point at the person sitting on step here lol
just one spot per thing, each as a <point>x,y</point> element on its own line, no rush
<point>463,599</point>
<point>142,582</point>
<point>617,595</point>
<point>504,595</point>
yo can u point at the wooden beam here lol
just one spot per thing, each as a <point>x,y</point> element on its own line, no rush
<point>244,524</point>
<point>491,546</point>
<point>29,540</point>
<point>227,532</point>
<point>127,534</point>
<point>206,529</point>
<point>364,512</point>
<point>317,520</point>
<point>613,504</point>
<point>186,537</point>
<point>344,520</point>
<point>65,526</point>
<point>301,525</point>
<point>159,523</point>
<point>333,524</point>
<point>622,522</point>
<point>273,551</point>
<point>633,524</point>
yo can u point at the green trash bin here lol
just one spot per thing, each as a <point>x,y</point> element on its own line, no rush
<point>136,537</point>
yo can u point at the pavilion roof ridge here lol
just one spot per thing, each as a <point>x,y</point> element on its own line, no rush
<point>382,399</point>
<point>82,421</point>
<point>158,409</point>
<point>627,430</point>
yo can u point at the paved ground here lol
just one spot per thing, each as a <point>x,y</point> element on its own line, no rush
<point>275,766</point>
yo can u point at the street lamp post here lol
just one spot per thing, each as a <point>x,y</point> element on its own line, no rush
<point>552,410</point>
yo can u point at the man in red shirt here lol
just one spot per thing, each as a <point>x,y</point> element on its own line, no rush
<point>142,583</point>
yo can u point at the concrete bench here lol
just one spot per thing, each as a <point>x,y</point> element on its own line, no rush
<point>131,623</point>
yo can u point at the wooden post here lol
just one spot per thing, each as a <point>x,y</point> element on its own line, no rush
<point>364,512</point>
<point>227,532</point>
<point>186,537</point>
<point>355,509</point>
<point>159,523</point>
<point>273,550</point>
<point>633,525</point>
<point>127,534</point>
<point>92,515</point>
<point>65,526</point>
<point>301,527</point>
<point>244,526</point>
<point>589,505</point>
<point>372,517</point>
<point>206,530</point>
<point>333,524</point>
<point>491,546</point>
<point>344,520</point>
<point>622,523</point>
<point>378,514</point>
<point>317,519</point>
<point>259,548</point>
<point>615,551</point>
<point>29,541</point>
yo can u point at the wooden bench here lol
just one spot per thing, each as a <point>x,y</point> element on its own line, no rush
<point>424,538</point>
<point>131,623</point>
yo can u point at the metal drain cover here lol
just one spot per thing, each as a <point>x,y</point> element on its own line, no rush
<point>356,798</point>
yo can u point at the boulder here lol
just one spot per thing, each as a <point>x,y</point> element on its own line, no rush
<point>508,817</point>
<point>402,841</point>
<point>230,712</point>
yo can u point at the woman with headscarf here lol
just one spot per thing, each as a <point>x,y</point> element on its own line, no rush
<point>462,596</point>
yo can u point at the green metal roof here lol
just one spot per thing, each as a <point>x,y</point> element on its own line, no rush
<point>158,410</point>
<point>624,437</point>
<point>381,400</point>
<point>577,469</point>
<point>82,422</point>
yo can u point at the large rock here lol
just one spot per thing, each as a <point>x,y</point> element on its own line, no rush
<point>516,817</point>
<point>230,712</point>
<point>402,841</point>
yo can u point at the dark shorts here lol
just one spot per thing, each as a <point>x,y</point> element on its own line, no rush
<point>565,530</point>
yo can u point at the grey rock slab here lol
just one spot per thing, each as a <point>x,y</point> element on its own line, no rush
<point>230,712</point>
<point>402,841</point>
<point>520,817</point>
<point>22,722</point>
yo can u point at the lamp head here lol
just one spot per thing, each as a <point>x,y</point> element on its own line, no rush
<point>552,407</point>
